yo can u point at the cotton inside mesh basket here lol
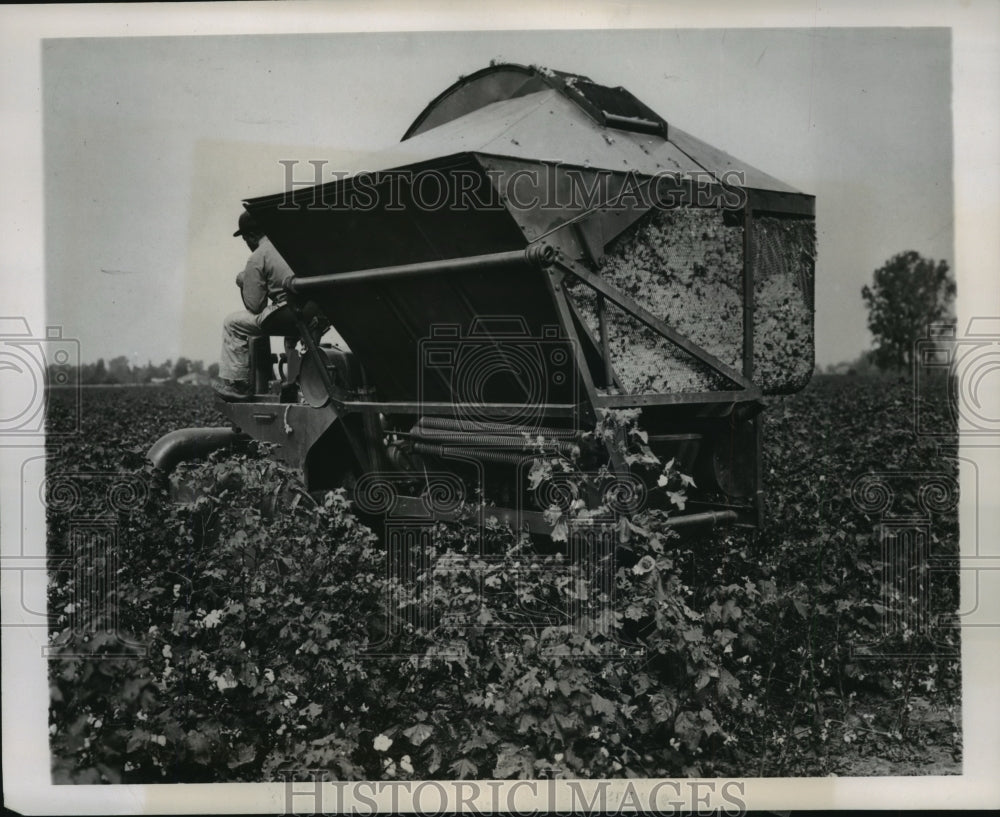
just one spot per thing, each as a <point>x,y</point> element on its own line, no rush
<point>686,267</point>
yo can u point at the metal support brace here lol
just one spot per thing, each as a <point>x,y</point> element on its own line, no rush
<point>373,434</point>
<point>575,309</point>
<point>557,288</point>
<point>357,448</point>
<point>749,307</point>
<point>602,320</point>
<point>748,294</point>
<point>539,256</point>
<point>617,297</point>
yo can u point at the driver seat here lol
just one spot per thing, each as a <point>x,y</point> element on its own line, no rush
<point>280,323</point>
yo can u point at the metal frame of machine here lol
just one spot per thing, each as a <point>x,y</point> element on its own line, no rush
<point>339,416</point>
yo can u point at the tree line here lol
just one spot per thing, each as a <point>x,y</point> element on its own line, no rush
<point>908,294</point>
<point>119,371</point>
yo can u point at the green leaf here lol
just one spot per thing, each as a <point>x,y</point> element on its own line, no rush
<point>602,706</point>
<point>525,722</point>
<point>199,747</point>
<point>688,728</point>
<point>540,471</point>
<point>727,685</point>
<point>433,758</point>
<point>136,739</point>
<point>663,707</point>
<point>513,760</point>
<point>464,768</point>
<point>245,753</point>
<point>418,733</point>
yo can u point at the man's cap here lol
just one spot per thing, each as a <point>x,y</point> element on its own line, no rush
<point>247,224</point>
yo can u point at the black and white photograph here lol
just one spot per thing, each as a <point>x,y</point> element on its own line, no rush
<point>499,411</point>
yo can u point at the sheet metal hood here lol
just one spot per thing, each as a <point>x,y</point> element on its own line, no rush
<point>539,115</point>
<point>486,128</point>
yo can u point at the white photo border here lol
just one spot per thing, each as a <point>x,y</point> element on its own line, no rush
<point>975,26</point>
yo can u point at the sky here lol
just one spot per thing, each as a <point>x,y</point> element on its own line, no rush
<point>150,144</point>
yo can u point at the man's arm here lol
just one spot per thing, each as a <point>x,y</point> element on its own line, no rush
<point>254,287</point>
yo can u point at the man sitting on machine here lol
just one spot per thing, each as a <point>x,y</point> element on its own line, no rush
<point>264,278</point>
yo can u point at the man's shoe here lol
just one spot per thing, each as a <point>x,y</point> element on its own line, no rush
<point>232,391</point>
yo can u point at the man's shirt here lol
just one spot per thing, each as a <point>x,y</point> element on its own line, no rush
<point>265,277</point>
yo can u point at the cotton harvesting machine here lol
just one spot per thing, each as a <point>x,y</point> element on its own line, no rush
<point>537,251</point>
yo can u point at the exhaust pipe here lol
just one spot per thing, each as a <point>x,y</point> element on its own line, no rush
<point>190,443</point>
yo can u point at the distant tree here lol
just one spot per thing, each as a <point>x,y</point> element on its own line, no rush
<point>99,373</point>
<point>197,366</point>
<point>181,367</point>
<point>213,370</point>
<point>119,369</point>
<point>908,293</point>
<point>864,365</point>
